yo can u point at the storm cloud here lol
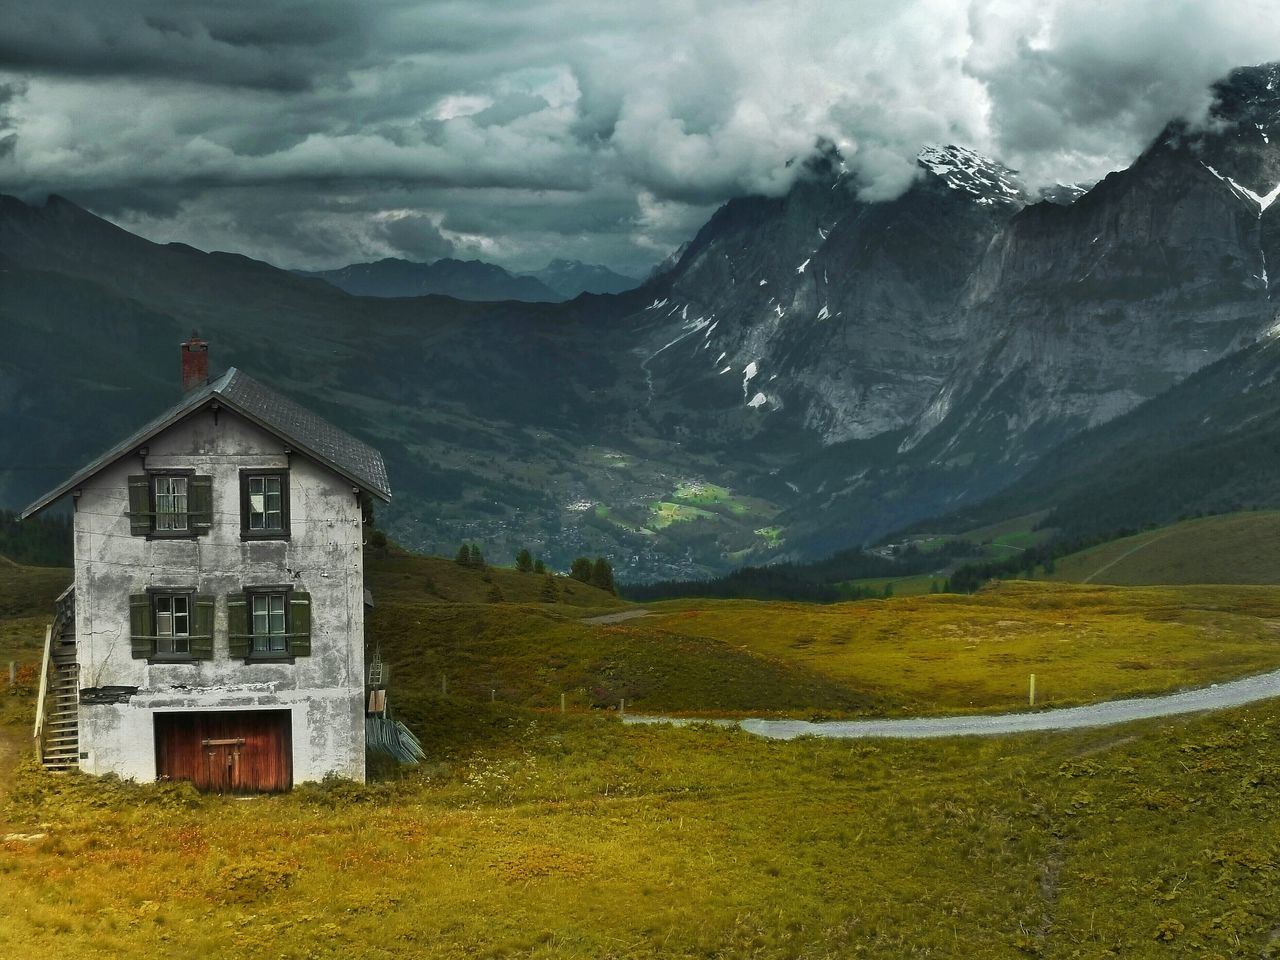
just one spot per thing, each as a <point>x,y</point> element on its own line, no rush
<point>315,134</point>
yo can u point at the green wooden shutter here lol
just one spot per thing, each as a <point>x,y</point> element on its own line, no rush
<point>200,504</point>
<point>238,638</point>
<point>202,635</point>
<point>139,506</point>
<point>299,625</point>
<point>141,626</point>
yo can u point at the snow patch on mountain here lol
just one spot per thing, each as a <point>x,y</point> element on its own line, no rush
<point>988,182</point>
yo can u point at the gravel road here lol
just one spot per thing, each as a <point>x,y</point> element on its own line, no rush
<point>1217,697</point>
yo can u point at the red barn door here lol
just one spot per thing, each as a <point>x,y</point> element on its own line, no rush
<point>244,751</point>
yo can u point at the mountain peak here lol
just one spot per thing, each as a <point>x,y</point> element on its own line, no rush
<point>990,183</point>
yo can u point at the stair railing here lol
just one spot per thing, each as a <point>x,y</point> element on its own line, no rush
<point>46,662</point>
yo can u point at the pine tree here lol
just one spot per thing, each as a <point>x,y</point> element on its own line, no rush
<point>549,592</point>
<point>463,559</point>
<point>602,575</point>
<point>474,557</point>
<point>494,595</point>
<point>581,569</point>
<point>524,561</point>
<point>539,566</point>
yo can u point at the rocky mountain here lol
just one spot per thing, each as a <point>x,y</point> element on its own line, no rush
<point>569,278</point>
<point>811,371</point>
<point>938,344</point>
<point>461,279</point>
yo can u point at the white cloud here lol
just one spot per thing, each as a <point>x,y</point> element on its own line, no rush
<point>603,127</point>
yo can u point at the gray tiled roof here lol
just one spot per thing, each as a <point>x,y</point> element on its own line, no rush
<point>293,423</point>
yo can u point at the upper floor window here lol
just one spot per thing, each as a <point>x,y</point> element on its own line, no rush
<point>264,504</point>
<point>170,504</point>
<point>170,495</point>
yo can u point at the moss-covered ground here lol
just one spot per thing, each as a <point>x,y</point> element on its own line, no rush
<point>529,833</point>
<point>576,837</point>
<point>953,654</point>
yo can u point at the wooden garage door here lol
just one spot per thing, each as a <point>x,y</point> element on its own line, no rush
<point>248,751</point>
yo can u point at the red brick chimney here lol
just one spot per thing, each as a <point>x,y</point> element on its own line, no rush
<point>195,363</point>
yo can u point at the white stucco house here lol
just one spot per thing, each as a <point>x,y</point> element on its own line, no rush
<point>214,631</point>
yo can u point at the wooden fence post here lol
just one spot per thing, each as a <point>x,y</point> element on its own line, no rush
<point>1032,700</point>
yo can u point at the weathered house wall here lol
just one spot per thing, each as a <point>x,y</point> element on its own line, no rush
<point>323,692</point>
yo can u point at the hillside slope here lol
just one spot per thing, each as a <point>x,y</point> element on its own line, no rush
<point>1232,549</point>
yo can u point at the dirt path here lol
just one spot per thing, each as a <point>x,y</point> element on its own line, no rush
<point>1220,696</point>
<point>618,617</point>
<point>1125,556</point>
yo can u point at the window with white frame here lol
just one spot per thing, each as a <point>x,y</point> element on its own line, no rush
<point>269,622</point>
<point>172,623</point>
<point>170,493</point>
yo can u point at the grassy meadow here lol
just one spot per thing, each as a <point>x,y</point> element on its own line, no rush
<point>953,653</point>
<point>534,834</point>
<point>577,837</point>
<point>1232,548</point>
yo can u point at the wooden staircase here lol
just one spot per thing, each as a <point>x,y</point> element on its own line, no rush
<point>57,730</point>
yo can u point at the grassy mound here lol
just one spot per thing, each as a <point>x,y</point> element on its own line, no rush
<point>1233,548</point>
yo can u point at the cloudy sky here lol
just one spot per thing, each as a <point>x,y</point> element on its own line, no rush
<point>317,133</point>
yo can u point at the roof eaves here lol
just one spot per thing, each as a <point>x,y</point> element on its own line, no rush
<point>304,448</point>
<point>189,404</point>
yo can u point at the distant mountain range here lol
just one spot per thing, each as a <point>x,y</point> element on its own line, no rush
<point>811,372</point>
<point>472,280</point>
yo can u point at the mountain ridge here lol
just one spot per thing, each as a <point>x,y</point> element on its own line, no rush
<point>811,372</point>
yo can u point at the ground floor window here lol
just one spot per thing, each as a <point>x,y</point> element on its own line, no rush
<point>173,623</point>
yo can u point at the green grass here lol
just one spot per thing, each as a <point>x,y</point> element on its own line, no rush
<point>665,513</point>
<point>397,577</point>
<point>772,536</point>
<point>580,838</point>
<point>532,834</point>
<point>1234,548</point>
<point>956,654</point>
<point>700,494</point>
<point>26,607</point>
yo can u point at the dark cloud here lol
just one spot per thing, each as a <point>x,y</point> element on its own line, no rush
<point>416,237</point>
<point>319,133</point>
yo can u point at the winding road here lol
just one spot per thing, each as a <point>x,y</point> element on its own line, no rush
<point>1220,696</point>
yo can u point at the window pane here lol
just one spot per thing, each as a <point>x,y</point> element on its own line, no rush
<point>265,503</point>
<point>171,503</point>
<point>173,623</point>
<point>269,623</point>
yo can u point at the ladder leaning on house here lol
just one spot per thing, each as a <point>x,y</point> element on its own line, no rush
<point>57,732</point>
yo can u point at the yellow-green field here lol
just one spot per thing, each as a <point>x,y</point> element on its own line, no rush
<point>533,834</point>
<point>1234,548</point>
<point>953,654</point>
<point>579,838</point>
